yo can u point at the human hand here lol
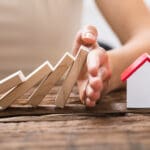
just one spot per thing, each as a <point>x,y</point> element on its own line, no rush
<point>93,79</point>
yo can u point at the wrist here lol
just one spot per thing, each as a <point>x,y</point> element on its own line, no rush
<point>114,61</point>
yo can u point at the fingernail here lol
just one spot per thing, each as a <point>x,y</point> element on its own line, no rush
<point>89,35</point>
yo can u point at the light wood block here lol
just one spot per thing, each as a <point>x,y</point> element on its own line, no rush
<point>11,81</point>
<point>32,79</point>
<point>72,77</point>
<point>45,86</point>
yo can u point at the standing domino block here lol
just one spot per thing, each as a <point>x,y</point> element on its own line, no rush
<point>45,86</point>
<point>72,77</point>
<point>30,81</point>
<point>11,81</point>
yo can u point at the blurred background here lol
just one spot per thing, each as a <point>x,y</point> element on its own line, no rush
<point>34,31</point>
<point>91,15</point>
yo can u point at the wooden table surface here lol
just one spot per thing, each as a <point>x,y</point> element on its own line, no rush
<point>107,126</point>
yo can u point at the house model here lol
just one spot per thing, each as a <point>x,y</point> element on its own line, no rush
<point>137,76</point>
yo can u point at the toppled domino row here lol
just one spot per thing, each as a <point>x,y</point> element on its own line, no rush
<point>17,84</point>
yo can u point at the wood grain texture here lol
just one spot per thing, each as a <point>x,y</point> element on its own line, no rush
<point>30,81</point>
<point>74,130</point>
<point>42,90</point>
<point>107,105</point>
<point>72,77</point>
<point>11,81</point>
<point>129,132</point>
<point>108,126</point>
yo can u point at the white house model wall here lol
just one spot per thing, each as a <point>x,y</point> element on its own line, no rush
<point>138,88</point>
<point>137,76</point>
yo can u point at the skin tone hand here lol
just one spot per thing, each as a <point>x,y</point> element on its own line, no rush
<point>132,26</point>
<point>93,80</point>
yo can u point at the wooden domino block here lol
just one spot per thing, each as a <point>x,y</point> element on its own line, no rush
<point>45,86</point>
<point>72,77</point>
<point>11,81</point>
<point>29,82</point>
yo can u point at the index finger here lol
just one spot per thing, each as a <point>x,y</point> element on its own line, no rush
<point>87,37</point>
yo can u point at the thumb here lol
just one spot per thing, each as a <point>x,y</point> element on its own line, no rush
<point>89,35</point>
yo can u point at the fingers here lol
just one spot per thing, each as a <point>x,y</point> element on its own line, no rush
<point>98,73</point>
<point>95,82</point>
<point>91,80</point>
<point>87,37</point>
<point>93,62</point>
<point>92,94</point>
<point>90,103</point>
<point>95,59</point>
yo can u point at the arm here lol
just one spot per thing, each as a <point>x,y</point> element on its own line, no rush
<point>130,20</point>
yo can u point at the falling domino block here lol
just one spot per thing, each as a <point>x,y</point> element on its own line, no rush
<point>11,81</point>
<point>72,77</point>
<point>45,86</point>
<point>30,81</point>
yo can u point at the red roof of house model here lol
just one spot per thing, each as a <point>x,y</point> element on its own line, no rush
<point>135,65</point>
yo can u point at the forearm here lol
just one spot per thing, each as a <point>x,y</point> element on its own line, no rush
<point>122,57</point>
